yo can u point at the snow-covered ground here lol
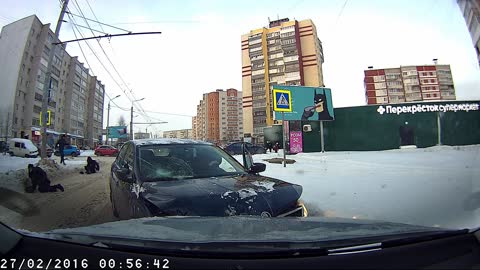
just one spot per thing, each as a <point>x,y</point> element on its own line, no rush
<point>13,170</point>
<point>436,186</point>
<point>86,153</point>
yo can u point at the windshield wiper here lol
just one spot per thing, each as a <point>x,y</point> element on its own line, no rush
<point>422,237</point>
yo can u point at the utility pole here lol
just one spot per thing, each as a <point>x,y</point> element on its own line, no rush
<point>108,119</point>
<point>131,118</point>
<point>48,77</point>
<point>131,122</point>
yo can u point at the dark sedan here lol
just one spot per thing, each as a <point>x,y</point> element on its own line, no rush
<point>236,148</point>
<point>191,178</point>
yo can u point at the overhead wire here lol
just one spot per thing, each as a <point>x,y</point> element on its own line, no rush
<point>137,106</point>
<point>86,60</point>
<point>96,56</point>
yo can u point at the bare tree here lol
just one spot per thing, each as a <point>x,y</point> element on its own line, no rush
<point>121,121</point>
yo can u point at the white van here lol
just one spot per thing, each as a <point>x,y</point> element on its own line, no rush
<point>22,148</point>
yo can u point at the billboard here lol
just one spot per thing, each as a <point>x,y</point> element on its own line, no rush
<point>307,103</point>
<point>119,132</point>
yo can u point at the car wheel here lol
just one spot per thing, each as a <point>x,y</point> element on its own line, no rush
<point>74,154</point>
<point>114,209</point>
<point>26,156</point>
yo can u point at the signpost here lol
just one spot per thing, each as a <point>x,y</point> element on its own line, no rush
<point>282,102</point>
<point>306,104</point>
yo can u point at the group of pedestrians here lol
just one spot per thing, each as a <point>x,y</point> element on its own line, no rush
<point>39,178</point>
<point>271,146</point>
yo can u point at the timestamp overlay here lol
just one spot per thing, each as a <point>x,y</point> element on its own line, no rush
<point>84,263</point>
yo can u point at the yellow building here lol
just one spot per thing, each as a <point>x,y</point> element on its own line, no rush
<point>286,53</point>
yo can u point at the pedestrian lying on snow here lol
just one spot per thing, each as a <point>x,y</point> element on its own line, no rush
<point>39,178</point>
<point>92,166</point>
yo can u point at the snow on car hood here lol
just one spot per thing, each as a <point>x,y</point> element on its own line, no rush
<point>221,196</point>
<point>208,229</point>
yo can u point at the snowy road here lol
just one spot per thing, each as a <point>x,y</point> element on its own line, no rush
<point>84,202</point>
<point>437,186</point>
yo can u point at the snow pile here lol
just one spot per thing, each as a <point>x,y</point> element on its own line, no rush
<point>14,174</point>
<point>436,186</point>
<point>10,163</point>
<point>87,153</point>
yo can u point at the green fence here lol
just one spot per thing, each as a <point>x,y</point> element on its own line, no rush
<point>364,128</point>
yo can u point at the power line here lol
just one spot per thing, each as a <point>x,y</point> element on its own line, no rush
<point>83,16</point>
<point>173,114</point>
<point>85,28</point>
<point>86,60</point>
<point>93,13</point>
<point>138,107</point>
<point>98,21</point>
<point>96,56</point>
<point>341,12</point>
<point>101,26</point>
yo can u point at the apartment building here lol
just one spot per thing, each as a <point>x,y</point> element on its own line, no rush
<point>409,84</point>
<point>471,12</point>
<point>179,134</point>
<point>285,53</point>
<point>219,116</point>
<point>75,97</point>
<point>194,128</point>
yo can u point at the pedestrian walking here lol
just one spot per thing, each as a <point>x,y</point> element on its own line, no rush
<point>276,147</point>
<point>61,145</point>
<point>269,146</point>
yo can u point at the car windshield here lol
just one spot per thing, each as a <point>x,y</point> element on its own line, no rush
<point>332,121</point>
<point>168,162</point>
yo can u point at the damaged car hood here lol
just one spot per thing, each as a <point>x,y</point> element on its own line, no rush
<point>222,196</point>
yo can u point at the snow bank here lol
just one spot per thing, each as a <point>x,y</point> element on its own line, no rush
<point>87,153</point>
<point>435,186</point>
<point>14,174</point>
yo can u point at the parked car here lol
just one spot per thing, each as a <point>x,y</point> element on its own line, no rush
<point>193,178</point>
<point>69,150</point>
<point>106,150</point>
<point>22,148</point>
<point>236,148</point>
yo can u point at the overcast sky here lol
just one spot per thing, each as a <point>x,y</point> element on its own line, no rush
<point>199,48</point>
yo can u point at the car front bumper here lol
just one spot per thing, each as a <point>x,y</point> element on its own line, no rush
<point>299,211</point>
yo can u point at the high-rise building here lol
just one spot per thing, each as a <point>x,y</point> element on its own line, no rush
<point>471,12</point>
<point>408,84</point>
<point>219,116</point>
<point>75,97</point>
<point>285,53</point>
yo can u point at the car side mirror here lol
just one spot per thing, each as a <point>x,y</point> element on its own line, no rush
<point>258,167</point>
<point>125,174</point>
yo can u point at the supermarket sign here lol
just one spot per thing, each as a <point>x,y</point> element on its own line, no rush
<point>420,108</point>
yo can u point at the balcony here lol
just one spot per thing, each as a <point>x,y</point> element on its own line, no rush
<point>290,58</point>
<point>255,41</point>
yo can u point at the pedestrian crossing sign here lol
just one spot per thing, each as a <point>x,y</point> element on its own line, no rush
<point>282,100</point>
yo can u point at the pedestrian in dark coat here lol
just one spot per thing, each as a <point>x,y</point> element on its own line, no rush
<point>92,166</point>
<point>39,178</point>
<point>269,146</point>
<point>61,145</point>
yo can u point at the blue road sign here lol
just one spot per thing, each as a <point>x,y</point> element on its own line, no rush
<point>282,100</point>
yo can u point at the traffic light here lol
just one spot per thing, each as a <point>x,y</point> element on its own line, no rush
<point>48,117</point>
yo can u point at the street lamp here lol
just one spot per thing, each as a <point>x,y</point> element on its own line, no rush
<point>131,118</point>
<point>108,118</point>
